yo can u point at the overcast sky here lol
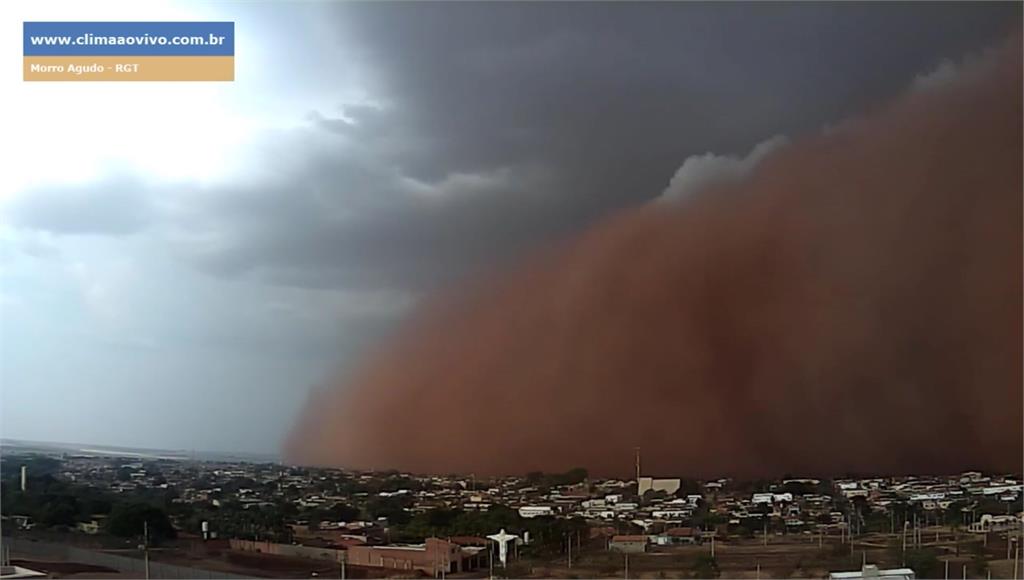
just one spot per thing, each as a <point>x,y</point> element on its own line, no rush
<point>180,263</point>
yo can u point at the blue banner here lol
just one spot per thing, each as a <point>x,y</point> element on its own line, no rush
<point>129,39</point>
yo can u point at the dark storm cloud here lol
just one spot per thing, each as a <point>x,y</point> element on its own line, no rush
<point>338,212</point>
<point>617,95</point>
<point>503,125</point>
<point>497,127</point>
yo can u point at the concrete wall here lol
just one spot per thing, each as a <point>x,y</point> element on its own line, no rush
<point>292,550</point>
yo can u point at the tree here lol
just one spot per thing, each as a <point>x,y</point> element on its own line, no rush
<point>799,487</point>
<point>574,476</point>
<point>954,515</point>
<point>35,466</point>
<point>924,563</point>
<point>706,567</point>
<point>571,477</point>
<point>128,520</point>
<point>442,518</point>
<point>688,487</point>
<point>340,512</point>
<point>57,510</point>
<point>392,508</point>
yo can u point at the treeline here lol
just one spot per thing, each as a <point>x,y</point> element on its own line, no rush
<point>545,532</point>
<point>55,504</point>
<point>548,480</point>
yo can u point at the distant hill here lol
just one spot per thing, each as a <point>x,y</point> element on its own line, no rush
<point>50,447</point>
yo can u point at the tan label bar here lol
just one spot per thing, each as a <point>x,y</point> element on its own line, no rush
<point>129,68</point>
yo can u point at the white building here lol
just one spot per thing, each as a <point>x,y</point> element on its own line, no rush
<point>669,486</point>
<point>991,523</point>
<point>532,511</point>
<point>872,571</point>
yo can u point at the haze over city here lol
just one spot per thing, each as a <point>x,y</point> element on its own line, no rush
<point>575,227</point>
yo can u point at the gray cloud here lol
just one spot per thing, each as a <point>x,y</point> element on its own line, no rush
<point>35,244</point>
<point>496,127</point>
<point>116,206</point>
<point>554,115</point>
<point>700,171</point>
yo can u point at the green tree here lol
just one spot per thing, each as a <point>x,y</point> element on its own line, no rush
<point>57,510</point>
<point>954,514</point>
<point>340,512</point>
<point>706,567</point>
<point>574,476</point>
<point>392,508</point>
<point>128,520</point>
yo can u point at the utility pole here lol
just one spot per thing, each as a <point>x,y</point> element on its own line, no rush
<point>569,542</point>
<point>490,560</point>
<point>905,524</point>
<point>947,570</point>
<point>626,576</point>
<point>637,449</point>
<point>145,545</point>
<point>712,546</point>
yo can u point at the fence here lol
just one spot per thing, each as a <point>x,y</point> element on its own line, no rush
<point>24,547</point>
